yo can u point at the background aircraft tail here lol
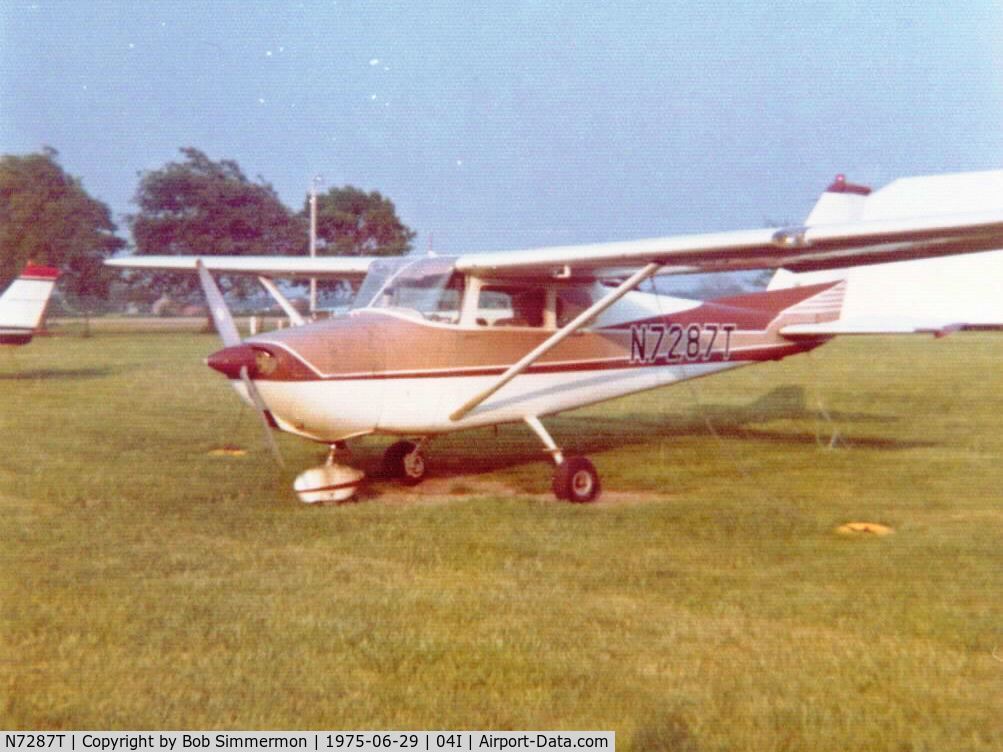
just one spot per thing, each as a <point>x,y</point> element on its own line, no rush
<point>936,295</point>
<point>23,304</point>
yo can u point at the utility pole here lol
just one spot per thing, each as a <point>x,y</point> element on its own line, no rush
<point>313,240</point>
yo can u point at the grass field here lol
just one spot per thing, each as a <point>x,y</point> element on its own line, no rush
<point>706,603</point>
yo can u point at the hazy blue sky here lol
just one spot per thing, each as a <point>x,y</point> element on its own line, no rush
<point>497,125</point>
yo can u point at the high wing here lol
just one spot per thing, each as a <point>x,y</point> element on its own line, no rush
<point>795,248</point>
<point>911,218</point>
<point>320,267</point>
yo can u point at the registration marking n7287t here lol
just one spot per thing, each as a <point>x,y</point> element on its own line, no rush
<point>675,343</point>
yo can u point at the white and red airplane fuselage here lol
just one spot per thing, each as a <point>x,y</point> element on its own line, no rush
<point>391,369</point>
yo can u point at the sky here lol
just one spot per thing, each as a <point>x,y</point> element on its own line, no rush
<point>514,124</point>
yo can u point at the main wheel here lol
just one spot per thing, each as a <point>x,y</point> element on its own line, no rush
<point>404,460</point>
<point>576,480</point>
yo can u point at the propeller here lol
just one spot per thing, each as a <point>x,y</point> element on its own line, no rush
<point>228,332</point>
<point>263,413</point>
<point>221,317</point>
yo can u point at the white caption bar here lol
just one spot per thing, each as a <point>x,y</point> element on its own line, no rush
<point>313,741</point>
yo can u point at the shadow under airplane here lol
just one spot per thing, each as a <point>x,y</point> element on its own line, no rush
<point>596,434</point>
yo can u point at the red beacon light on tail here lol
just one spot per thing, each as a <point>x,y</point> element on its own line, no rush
<point>840,185</point>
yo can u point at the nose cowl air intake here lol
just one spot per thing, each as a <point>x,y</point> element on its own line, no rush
<point>230,360</point>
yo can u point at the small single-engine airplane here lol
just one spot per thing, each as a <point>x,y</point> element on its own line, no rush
<point>435,344</point>
<point>23,304</point>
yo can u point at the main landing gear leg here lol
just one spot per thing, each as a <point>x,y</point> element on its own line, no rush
<point>339,449</point>
<point>405,460</point>
<point>575,478</point>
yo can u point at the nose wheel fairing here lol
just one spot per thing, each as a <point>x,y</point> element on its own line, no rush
<point>329,483</point>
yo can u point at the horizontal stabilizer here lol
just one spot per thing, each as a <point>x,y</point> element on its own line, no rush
<point>938,328</point>
<point>927,296</point>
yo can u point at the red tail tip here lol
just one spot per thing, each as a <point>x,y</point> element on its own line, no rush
<point>34,271</point>
<point>840,185</point>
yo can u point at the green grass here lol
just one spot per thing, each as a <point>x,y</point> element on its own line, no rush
<point>705,603</point>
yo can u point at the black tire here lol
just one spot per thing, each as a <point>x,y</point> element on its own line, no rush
<point>405,462</point>
<point>577,481</point>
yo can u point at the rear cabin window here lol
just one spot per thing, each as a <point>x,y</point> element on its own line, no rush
<point>570,303</point>
<point>509,306</point>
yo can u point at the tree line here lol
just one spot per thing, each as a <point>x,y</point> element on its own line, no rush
<point>191,206</point>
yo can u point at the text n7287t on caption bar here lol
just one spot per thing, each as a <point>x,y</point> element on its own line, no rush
<point>315,741</point>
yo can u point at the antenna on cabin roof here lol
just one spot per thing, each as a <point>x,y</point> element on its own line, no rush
<point>313,239</point>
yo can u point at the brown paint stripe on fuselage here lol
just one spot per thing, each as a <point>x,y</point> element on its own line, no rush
<point>384,345</point>
<point>746,355</point>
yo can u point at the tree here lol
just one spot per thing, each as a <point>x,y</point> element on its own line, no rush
<point>47,217</point>
<point>202,207</point>
<point>351,222</point>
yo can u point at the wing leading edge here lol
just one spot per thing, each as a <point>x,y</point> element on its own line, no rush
<point>915,227</point>
<point>320,267</point>
<point>794,248</point>
<point>910,218</point>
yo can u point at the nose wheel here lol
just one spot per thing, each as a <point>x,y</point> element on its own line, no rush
<point>405,461</point>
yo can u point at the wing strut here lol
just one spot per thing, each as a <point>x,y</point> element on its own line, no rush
<point>217,307</point>
<point>557,337</point>
<point>282,300</point>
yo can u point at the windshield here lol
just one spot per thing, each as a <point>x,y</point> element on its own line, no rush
<point>427,285</point>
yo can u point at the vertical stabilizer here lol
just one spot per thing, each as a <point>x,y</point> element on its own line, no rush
<point>23,304</point>
<point>841,203</point>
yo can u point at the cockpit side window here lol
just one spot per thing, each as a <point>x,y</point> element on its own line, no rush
<point>446,306</point>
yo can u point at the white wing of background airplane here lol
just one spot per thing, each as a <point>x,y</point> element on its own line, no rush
<point>912,218</point>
